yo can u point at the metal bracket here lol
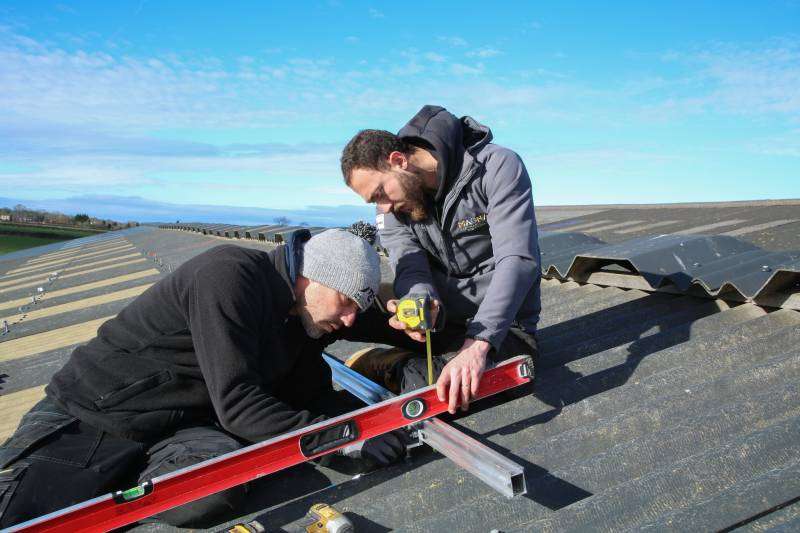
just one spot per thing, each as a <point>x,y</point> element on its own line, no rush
<point>500,473</point>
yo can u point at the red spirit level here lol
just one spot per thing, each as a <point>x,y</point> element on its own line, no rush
<point>171,490</point>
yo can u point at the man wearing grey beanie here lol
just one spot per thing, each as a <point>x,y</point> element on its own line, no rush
<point>337,259</point>
<point>223,352</point>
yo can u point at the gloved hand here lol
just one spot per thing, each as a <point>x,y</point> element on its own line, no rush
<point>383,449</point>
<point>387,448</point>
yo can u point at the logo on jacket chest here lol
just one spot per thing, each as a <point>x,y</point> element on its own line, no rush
<point>472,223</point>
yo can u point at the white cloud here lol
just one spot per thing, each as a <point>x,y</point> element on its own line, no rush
<point>460,69</point>
<point>269,172</point>
<point>374,13</point>
<point>43,84</point>
<point>410,68</point>
<point>603,157</point>
<point>453,41</point>
<point>276,50</point>
<point>486,51</point>
<point>784,145</point>
<point>85,119</point>
<point>733,79</point>
<point>435,58</point>
<point>64,8</point>
<point>127,207</point>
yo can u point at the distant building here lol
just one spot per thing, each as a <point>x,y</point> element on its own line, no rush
<point>5,218</point>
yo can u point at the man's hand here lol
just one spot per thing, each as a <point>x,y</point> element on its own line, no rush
<point>463,374</point>
<point>387,448</point>
<point>416,334</point>
<point>384,449</point>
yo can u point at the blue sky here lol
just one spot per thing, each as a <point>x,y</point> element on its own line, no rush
<point>250,103</point>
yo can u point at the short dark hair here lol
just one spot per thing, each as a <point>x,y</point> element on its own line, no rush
<point>370,149</point>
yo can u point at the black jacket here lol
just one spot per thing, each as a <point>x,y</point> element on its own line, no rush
<point>211,342</point>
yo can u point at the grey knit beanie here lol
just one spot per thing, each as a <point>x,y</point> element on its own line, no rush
<point>344,262</point>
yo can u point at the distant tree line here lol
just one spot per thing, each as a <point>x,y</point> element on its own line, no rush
<point>23,215</point>
<point>286,221</point>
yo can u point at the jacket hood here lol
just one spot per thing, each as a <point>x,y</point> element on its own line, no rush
<point>294,252</point>
<point>288,258</point>
<point>447,137</point>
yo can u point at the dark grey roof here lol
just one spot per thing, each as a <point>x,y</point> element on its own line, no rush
<point>214,229</point>
<point>718,265</point>
<point>772,224</point>
<point>235,232</point>
<point>252,233</point>
<point>272,233</point>
<point>660,402</point>
<point>269,234</point>
<point>649,409</point>
<point>280,236</point>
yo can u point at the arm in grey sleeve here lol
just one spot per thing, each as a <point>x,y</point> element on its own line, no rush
<point>515,244</point>
<point>408,259</point>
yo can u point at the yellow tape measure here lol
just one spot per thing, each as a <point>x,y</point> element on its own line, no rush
<point>414,311</point>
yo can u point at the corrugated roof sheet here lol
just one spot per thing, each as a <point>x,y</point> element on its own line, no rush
<point>651,409</point>
<point>719,265</point>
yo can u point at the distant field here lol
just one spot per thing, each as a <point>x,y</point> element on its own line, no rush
<point>43,231</point>
<point>15,237</point>
<point>12,243</point>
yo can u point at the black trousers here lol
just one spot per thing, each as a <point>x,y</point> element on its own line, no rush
<point>373,326</point>
<point>54,460</point>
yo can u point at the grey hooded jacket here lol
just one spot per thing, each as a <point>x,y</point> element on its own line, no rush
<point>478,252</point>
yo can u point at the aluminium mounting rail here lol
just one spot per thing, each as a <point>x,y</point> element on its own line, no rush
<point>192,483</point>
<point>502,474</point>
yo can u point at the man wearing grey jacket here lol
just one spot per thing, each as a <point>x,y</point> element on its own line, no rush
<point>455,212</point>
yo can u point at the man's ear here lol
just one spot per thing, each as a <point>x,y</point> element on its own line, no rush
<point>300,285</point>
<point>398,159</point>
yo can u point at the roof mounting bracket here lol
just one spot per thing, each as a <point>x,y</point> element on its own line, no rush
<point>502,474</point>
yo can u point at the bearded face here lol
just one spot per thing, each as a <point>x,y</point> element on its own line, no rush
<point>413,202</point>
<point>394,189</point>
<point>305,308</point>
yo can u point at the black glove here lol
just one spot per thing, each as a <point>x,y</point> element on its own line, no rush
<point>387,448</point>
